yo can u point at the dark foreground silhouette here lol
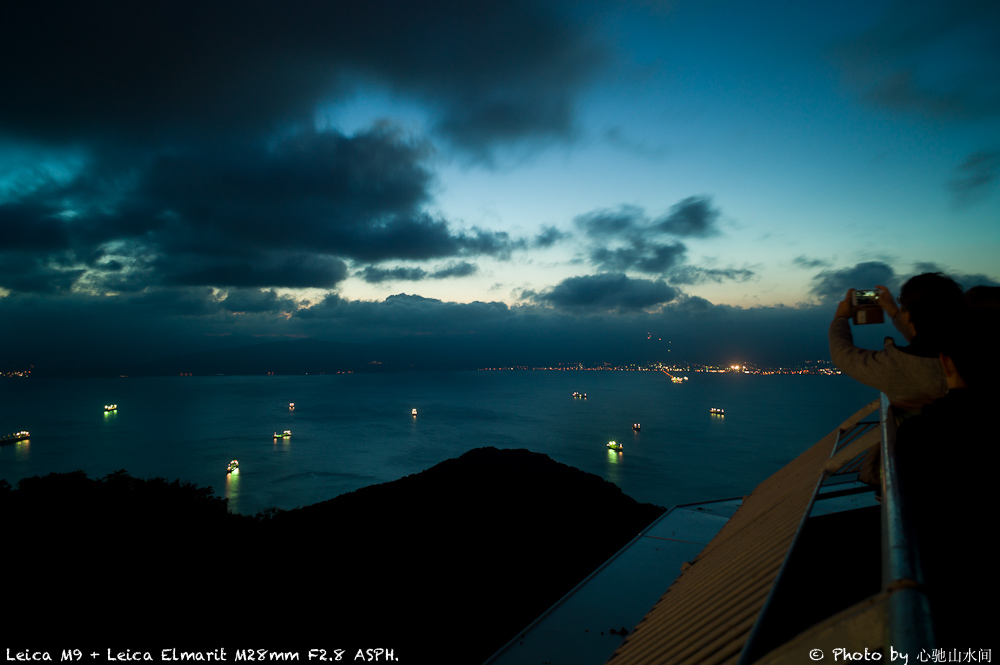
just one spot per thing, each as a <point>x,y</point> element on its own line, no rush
<point>443,566</point>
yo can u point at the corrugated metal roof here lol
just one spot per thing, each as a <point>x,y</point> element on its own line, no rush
<point>583,627</point>
<point>708,612</point>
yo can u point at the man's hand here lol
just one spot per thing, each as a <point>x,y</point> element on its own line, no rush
<point>886,301</point>
<point>845,308</point>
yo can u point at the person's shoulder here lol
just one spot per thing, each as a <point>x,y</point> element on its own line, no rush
<point>905,356</point>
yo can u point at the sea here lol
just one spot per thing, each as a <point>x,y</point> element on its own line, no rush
<point>353,430</point>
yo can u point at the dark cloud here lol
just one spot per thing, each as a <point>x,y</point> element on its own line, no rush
<point>549,236</point>
<point>257,300</point>
<point>692,217</point>
<point>378,171</point>
<point>356,196</point>
<point>460,269</point>
<point>33,225</point>
<point>242,214</point>
<point>805,262</point>
<point>976,177</point>
<point>627,222</point>
<point>207,311</point>
<point>269,269</point>
<point>158,306</point>
<point>831,285</point>
<point>73,330</point>
<point>627,239</point>
<point>940,59</point>
<point>693,306</point>
<point>400,315</point>
<point>156,146</point>
<point>569,323</point>
<point>606,292</point>
<point>696,275</point>
<point>492,243</point>
<point>644,257</point>
<point>492,73</point>
<point>28,274</point>
<point>377,275</point>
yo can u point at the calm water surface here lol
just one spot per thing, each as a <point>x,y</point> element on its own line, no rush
<point>349,431</point>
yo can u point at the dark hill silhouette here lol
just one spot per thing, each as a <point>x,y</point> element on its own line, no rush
<point>442,566</point>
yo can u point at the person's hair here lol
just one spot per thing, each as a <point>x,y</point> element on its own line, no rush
<point>983,296</point>
<point>970,342</point>
<point>931,299</point>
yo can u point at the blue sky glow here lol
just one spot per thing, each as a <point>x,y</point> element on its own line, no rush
<point>354,153</point>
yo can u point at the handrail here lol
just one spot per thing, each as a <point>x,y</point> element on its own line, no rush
<point>894,618</point>
<point>909,626</point>
<point>908,619</point>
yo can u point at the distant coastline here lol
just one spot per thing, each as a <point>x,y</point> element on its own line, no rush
<point>813,367</point>
<point>810,367</point>
<point>311,356</point>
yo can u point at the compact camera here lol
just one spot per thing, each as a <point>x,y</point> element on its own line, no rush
<point>867,309</point>
<point>865,298</point>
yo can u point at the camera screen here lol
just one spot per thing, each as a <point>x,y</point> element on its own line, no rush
<point>865,298</point>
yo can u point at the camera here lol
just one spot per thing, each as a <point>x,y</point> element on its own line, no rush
<point>865,298</point>
<point>868,310</point>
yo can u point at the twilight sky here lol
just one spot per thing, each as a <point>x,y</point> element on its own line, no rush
<point>183,175</point>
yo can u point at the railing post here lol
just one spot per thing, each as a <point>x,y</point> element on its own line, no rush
<point>909,625</point>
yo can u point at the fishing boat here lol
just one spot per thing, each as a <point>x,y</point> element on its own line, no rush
<point>413,412</point>
<point>614,445</point>
<point>284,435</point>
<point>635,426</point>
<point>234,467</point>
<point>291,406</point>
<point>717,411</point>
<point>110,407</point>
<point>16,436</point>
<point>580,395</point>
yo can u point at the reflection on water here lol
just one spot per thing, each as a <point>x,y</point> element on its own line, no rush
<point>613,468</point>
<point>233,490</point>
<point>22,450</point>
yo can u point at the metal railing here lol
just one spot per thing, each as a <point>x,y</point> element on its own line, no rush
<point>908,622</point>
<point>909,625</point>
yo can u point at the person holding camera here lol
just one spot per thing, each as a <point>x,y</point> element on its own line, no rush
<point>911,376</point>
